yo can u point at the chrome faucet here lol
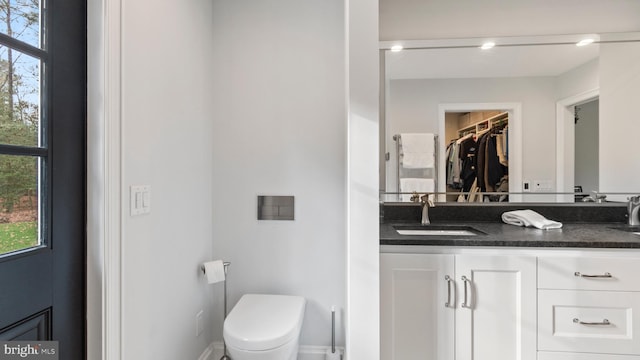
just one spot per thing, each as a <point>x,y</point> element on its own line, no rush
<point>632,209</point>
<point>426,204</point>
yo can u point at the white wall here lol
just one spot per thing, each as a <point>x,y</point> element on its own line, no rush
<point>412,106</point>
<point>279,128</point>
<point>363,309</point>
<point>579,80</point>
<point>166,134</point>
<point>619,122</point>
<point>446,19</point>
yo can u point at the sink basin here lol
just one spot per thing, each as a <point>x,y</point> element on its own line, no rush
<point>438,230</point>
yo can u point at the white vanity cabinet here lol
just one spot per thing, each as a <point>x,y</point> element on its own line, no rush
<point>497,319</point>
<point>417,302</point>
<point>588,308</point>
<point>445,307</point>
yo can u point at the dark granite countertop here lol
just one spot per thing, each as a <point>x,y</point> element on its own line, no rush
<point>584,226</point>
<point>593,235</point>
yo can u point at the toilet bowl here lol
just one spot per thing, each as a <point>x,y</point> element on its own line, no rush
<point>264,327</point>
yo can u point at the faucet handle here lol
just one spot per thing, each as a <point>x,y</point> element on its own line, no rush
<point>634,199</point>
<point>427,200</point>
<point>415,197</point>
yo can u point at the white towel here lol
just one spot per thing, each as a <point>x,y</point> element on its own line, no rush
<point>418,150</point>
<point>529,218</point>
<point>421,186</point>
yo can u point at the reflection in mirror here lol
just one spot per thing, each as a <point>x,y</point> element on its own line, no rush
<point>612,199</point>
<point>567,113</point>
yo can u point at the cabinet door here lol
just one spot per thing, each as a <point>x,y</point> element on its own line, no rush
<point>415,323</point>
<point>497,319</point>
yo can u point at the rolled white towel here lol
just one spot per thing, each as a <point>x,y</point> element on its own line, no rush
<point>529,218</point>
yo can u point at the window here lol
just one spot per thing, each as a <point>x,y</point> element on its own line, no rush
<point>23,132</point>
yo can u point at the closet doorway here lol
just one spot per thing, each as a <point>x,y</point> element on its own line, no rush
<point>462,122</point>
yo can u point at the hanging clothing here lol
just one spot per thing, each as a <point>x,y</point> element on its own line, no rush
<point>480,158</point>
<point>479,163</point>
<point>451,157</point>
<point>494,171</point>
<point>505,131</point>
<point>468,161</point>
<point>500,148</point>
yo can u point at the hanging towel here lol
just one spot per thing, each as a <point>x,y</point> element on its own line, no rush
<point>529,218</point>
<point>418,150</point>
<point>420,186</point>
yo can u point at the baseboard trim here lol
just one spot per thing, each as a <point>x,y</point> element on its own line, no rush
<point>305,352</point>
<point>207,354</point>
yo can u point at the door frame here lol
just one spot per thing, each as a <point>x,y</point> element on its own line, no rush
<point>565,142</point>
<point>515,141</point>
<point>105,197</point>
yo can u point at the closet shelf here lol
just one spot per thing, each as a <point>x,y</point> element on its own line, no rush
<point>484,124</point>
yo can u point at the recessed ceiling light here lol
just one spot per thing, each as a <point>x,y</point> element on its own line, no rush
<point>396,48</point>
<point>487,45</point>
<point>584,42</point>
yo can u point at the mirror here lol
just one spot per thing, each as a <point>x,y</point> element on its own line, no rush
<point>571,109</point>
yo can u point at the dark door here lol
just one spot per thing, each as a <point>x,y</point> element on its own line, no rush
<point>42,172</point>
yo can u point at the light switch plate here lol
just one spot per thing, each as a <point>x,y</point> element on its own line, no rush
<point>140,199</point>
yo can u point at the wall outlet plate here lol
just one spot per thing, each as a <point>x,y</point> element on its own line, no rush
<point>542,185</point>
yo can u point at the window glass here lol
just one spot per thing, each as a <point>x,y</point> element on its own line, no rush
<point>20,19</point>
<point>19,203</point>
<point>19,98</point>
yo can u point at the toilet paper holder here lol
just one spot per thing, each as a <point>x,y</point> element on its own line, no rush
<point>226,268</point>
<point>225,264</point>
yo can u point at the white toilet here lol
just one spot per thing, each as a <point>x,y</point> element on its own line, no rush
<point>264,327</point>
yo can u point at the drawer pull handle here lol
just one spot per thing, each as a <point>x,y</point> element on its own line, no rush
<point>467,293</point>
<point>603,322</point>
<point>449,281</point>
<point>605,275</point>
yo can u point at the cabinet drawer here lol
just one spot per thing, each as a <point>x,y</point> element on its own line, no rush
<point>591,321</point>
<point>585,273</point>
<point>544,355</point>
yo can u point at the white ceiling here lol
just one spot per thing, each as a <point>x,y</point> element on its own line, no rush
<point>520,61</point>
<point>445,19</point>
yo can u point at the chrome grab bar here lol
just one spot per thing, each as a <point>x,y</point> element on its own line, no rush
<point>467,294</point>
<point>605,275</point>
<point>449,281</point>
<point>603,322</point>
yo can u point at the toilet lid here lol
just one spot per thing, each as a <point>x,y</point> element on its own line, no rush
<point>263,322</point>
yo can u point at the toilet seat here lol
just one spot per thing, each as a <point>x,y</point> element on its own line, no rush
<point>264,322</point>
